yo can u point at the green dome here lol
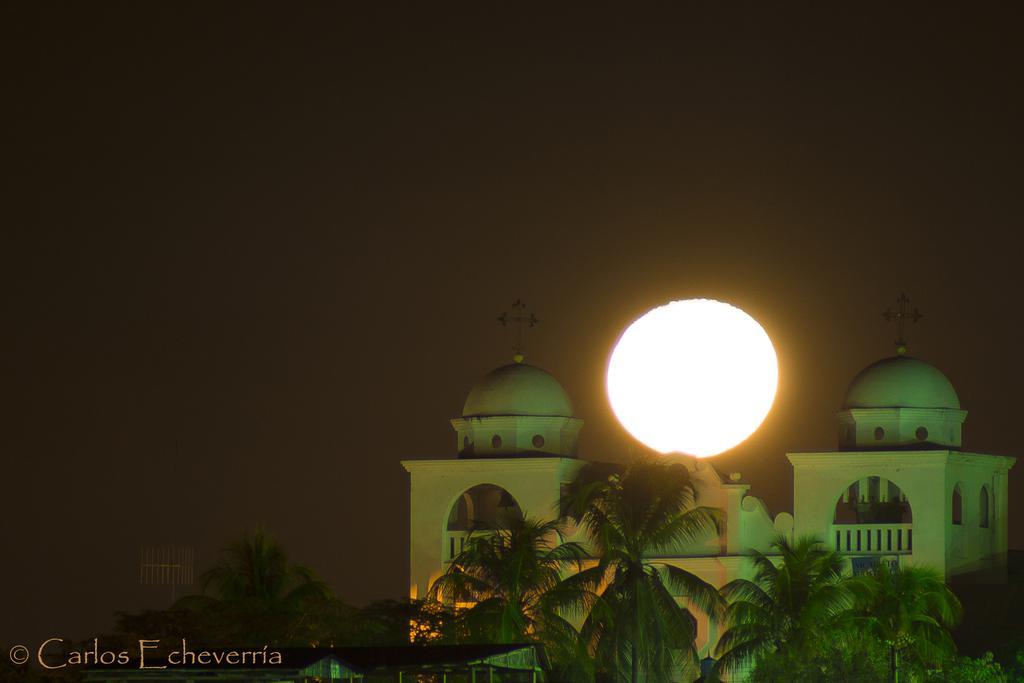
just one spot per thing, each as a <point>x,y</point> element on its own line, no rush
<point>901,382</point>
<point>517,389</point>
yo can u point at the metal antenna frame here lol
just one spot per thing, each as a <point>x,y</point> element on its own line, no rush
<point>166,566</point>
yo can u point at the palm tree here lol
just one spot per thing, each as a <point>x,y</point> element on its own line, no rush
<point>513,578</point>
<point>257,569</point>
<point>632,515</point>
<point>908,609</point>
<point>792,596</point>
<point>254,582</point>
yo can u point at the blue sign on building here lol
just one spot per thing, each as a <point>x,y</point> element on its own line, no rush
<point>864,564</point>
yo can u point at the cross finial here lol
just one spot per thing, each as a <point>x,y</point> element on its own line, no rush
<point>901,316</point>
<point>521,317</point>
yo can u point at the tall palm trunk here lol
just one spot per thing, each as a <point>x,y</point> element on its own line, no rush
<point>635,655</point>
<point>636,634</point>
<point>893,675</point>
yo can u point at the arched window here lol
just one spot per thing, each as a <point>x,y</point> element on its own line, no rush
<point>983,507</point>
<point>483,507</point>
<point>873,500</point>
<point>958,505</point>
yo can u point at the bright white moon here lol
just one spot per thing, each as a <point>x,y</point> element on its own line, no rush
<point>696,376</point>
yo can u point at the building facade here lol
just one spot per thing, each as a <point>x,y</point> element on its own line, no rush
<point>899,488</point>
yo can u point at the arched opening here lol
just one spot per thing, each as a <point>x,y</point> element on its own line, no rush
<point>484,506</point>
<point>983,507</point>
<point>958,505</point>
<point>873,517</point>
<point>873,500</point>
<point>480,508</point>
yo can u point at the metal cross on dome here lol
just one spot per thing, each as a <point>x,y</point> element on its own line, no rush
<point>901,316</point>
<point>521,317</point>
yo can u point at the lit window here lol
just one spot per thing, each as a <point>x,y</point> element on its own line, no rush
<point>495,441</point>
<point>879,433</point>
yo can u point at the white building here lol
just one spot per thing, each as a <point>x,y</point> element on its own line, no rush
<point>899,488</point>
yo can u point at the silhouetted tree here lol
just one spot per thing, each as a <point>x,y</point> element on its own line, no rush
<point>511,580</point>
<point>908,609</point>
<point>254,595</point>
<point>631,515</point>
<point>792,597</point>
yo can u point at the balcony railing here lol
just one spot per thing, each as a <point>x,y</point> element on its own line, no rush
<point>455,541</point>
<point>881,539</point>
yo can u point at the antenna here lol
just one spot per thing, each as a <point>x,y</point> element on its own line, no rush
<point>165,565</point>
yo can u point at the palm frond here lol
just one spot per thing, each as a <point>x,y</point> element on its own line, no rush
<point>696,590</point>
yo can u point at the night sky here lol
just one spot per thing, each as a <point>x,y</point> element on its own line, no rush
<point>253,256</point>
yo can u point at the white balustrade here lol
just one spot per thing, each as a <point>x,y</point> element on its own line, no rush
<point>869,539</point>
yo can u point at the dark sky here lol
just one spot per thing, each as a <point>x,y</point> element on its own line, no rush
<point>253,255</point>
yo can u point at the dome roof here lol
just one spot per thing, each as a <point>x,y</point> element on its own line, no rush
<point>901,382</point>
<point>517,389</point>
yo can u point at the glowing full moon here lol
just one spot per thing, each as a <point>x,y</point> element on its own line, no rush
<point>696,376</point>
